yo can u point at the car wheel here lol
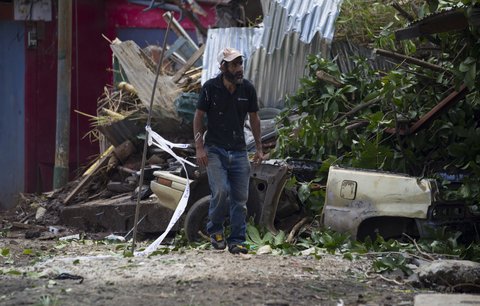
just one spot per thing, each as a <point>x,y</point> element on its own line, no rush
<point>196,219</point>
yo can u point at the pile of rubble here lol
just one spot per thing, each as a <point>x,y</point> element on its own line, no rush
<point>119,126</point>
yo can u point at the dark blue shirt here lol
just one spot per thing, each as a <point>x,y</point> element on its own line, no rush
<point>226,112</point>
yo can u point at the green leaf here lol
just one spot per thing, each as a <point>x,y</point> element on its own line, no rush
<point>458,150</point>
<point>348,89</point>
<point>464,67</point>
<point>470,76</point>
<point>268,238</point>
<point>5,252</point>
<point>371,96</point>
<point>303,192</point>
<point>279,238</point>
<point>254,235</point>
<point>469,60</point>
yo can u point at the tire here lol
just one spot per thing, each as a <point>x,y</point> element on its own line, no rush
<point>196,219</point>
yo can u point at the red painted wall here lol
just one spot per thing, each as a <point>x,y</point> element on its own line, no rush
<point>40,99</point>
<point>122,14</point>
<point>91,59</point>
<point>89,76</point>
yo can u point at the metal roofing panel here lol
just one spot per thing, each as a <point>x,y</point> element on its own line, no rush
<point>277,74</point>
<point>305,17</point>
<point>346,54</point>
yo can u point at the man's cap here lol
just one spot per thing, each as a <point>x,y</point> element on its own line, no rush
<point>228,55</point>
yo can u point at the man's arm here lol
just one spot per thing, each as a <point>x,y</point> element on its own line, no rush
<point>255,126</point>
<point>202,159</point>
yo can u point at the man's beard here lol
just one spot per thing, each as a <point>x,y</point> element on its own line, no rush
<point>236,78</point>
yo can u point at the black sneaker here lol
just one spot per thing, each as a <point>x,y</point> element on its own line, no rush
<point>218,241</point>
<point>237,248</point>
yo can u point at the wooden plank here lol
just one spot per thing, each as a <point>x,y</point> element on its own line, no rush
<point>87,176</point>
<point>141,76</point>
<point>446,103</point>
<point>177,28</point>
<point>178,75</point>
<point>442,106</point>
<point>29,226</point>
<point>139,73</point>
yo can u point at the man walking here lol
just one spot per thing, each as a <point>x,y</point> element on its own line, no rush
<point>226,100</point>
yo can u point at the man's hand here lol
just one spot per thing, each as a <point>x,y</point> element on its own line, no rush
<point>258,157</point>
<point>202,159</point>
<point>255,126</point>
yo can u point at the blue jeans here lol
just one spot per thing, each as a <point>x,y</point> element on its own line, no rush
<point>228,176</point>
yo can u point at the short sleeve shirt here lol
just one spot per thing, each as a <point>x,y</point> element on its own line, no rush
<point>226,112</point>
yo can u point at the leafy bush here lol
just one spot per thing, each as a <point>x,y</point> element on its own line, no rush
<point>357,123</point>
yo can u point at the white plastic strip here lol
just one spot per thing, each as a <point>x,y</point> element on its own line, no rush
<point>162,143</point>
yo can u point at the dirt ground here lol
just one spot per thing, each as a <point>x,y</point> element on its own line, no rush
<point>31,274</point>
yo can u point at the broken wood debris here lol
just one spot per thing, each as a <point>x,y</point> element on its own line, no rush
<point>89,173</point>
<point>443,105</point>
<point>409,59</point>
<point>189,64</point>
<point>142,77</point>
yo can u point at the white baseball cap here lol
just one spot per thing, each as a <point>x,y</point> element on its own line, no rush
<point>228,55</point>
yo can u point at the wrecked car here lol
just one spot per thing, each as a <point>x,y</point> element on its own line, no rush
<point>270,203</point>
<point>369,202</point>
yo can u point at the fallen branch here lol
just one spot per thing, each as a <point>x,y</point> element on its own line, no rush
<point>357,125</point>
<point>88,175</point>
<point>29,226</point>
<point>322,75</point>
<point>384,278</point>
<point>404,254</point>
<point>355,110</point>
<point>391,280</point>
<point>203,235</point>
<point>409,59</point>
<point>296,228</point>
<point>28,216</point>
<point>418,248</point>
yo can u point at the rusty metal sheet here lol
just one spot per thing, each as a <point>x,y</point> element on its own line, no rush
<point>451,20</point>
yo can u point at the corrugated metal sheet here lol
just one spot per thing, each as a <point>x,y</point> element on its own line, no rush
<point>307,17</point>
<point>277,74</point>
<point>276,53</point>
<point>346,53</point>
